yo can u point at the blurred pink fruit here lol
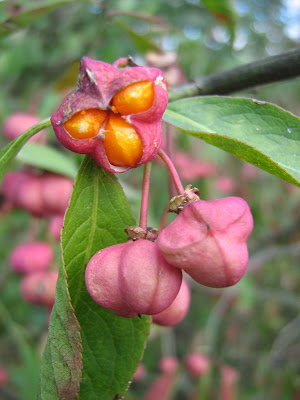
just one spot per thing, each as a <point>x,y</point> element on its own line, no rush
<point>249,171</point>
<point>39,288</point>
<point>168,365</point>
<point>3,376</point>
<point>56,192</point>
<point>29,196</point>
<point>190,169</point>
<point>18,123</point>
<point>225,184</point>
<point>229,379</point>
<point>40,195</point>
<point>161,388</point>
<point>55,226</point>
<point>31,257</point>
<point>139,374</point>
<point>197,364</point>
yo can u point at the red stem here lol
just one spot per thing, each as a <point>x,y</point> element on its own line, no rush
<point>120,62</point>
<point>169,148</point>
<point>173,172</point>
<point>145,196</point>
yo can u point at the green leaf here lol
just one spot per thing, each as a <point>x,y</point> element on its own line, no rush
<point>223,11</point>
<point>112,346</point>
<point>29,13</point>
<point>60,372</point>
<point>8,154</point>
<point>142,42</point>
<point>260,133</point>
<point>49,159</point>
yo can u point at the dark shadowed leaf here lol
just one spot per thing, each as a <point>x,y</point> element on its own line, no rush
<point>60,372</point>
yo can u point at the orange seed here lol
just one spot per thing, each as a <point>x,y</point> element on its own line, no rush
<point>85,124</point>
<point>122,144</point>
<point>134,98</point>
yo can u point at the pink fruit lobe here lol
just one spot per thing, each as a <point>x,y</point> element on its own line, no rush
<point>208,241</point>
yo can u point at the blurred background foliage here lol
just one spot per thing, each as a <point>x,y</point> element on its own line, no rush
<point>252,327</point>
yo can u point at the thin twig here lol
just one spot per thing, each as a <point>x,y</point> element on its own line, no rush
<point>145,196</point>
<point>267,70</point>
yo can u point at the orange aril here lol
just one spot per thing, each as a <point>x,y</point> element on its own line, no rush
<point>122,144</point>
<point>85,124</point>
<point>134,98</point>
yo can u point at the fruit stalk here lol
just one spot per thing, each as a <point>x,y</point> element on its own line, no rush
<point>173,172</point>
<point>145,196</point>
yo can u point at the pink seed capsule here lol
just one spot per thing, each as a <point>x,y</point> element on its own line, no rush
<point>114,115</point>
<point>177,310</point>
<point>103,282</point>
<point>148,283</point>
<point>208,240</point>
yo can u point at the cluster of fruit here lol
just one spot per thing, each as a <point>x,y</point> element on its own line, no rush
<point>34,260</point>
<point>115,115</point>
<point>207,240</point>
<point>43,195</point>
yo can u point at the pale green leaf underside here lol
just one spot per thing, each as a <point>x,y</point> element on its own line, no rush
<point>112,346</point>
<point>8,154</point>
<point>48,158</point>
<point>260,133</point>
